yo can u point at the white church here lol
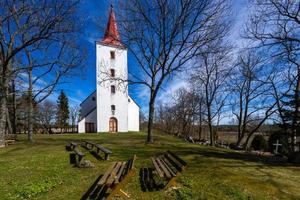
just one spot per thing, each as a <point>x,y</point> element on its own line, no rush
<point>110,108</point>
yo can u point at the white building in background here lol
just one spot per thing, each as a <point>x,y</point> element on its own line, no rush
<point>110,108</point>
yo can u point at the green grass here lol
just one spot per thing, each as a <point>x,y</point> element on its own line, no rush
<point>42,171</point>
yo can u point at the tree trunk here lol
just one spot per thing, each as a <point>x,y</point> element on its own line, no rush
<point>200,123</point>
<point>211,132</point>
<point>2,120</point>
<point>30,107</point>
<point>14,122</point>
<point>150,120</point>
<point>3,103</point>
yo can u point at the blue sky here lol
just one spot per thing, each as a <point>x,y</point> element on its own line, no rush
<point>94,14</point>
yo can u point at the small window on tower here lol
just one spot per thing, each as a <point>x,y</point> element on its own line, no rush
<point>113,108</point>
<point>113,89</point>
<point>93,98</point>
<point>112,55</point>
<point>112,73</point>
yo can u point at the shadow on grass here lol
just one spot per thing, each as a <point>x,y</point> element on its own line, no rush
<point>147,180</point>
<point>239,156</point>
<point>95,191</point>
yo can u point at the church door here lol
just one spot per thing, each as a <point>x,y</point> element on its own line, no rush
<point>113,125</point>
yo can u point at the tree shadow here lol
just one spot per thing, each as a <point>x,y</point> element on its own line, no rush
<point>95,191</point>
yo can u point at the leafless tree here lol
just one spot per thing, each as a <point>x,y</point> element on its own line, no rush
<point>47,111</point>
<point>164,35</point>
<point>251,94</point>
<point>180,116</point>
<point>210,78</point>
<point>29,32</point>
<point>74,116</point>
<point>274,26</point>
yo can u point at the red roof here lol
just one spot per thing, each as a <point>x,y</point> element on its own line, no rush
<point>112,36</point>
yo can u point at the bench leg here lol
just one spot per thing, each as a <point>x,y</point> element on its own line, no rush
<point>117,190</point>
<point>171,182</point>
<point>106,157</point>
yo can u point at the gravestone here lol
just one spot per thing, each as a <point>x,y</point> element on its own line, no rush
<point>276,146</point>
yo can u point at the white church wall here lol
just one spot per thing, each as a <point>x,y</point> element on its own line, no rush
<point>81,126</point>
<point>104,97</point>
<point>90,118</point>
<point>133,116</point>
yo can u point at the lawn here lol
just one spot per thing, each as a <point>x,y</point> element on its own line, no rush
<point>42,171</point>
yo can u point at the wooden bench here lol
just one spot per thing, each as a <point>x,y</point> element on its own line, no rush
<point>91,145</point>
<point>73,145</point>
<point>104,150</point>
<point>7,142</point>
<point>113,180</point>
<point>88,144</point>
<point>168,166</point>
<point>78,156</point>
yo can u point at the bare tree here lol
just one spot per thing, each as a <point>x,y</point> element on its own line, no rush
<point>47,111</point>
<point>29,30</point>
<point>251,94</point>
<point>74,116</point>
<point>274,26</point>
<point>210,79</point>
<point>164,36</point>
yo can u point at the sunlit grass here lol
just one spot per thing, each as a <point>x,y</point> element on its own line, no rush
<point>42,170</point>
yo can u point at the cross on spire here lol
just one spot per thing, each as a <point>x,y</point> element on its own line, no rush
<point>112,36</point>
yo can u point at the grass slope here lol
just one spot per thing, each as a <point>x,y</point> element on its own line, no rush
<point>42,171</point>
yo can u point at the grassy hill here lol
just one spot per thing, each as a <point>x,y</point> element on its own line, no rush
<point>42,171</point>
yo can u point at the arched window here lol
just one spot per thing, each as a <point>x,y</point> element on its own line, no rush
<point>112,73</point>
<point>113,89</point>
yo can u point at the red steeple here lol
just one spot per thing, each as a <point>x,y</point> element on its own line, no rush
<point>112,36</point>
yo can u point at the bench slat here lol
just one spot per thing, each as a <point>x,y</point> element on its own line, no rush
<point>119,175</point>
<point>105,150</point>
<point>177,158</point>
<point>106,174</point>
<point>163,167</point>
<point>113,174</point>
<point>160,173</point>
<point>168,165</point>
<point>78,152</point>
<point>173,162</point>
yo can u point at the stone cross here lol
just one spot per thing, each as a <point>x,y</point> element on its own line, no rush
<point>277,145</point>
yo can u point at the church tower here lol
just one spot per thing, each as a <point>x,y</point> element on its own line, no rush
<point>110,108</point>
<point>111,67</point>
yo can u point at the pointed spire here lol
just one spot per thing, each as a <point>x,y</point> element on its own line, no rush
<point>112,35</point>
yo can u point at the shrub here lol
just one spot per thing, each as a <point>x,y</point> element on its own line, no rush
<point>283,140</point>
<point>294,157</point>
<point>259,143</point>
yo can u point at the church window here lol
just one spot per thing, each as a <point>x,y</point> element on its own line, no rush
<point>113,109</point>
<point>113,89</point>
<point>112,55</point>
<point>112,73</point>
<point>93,98</point>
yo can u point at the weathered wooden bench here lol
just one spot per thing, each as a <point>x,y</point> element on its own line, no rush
<point>98,148</point>
<point>113,180</point>
<point>8,142</point>
<point>72,145</point>
<point>88,144</point>
<point>168,166</point>
<point>104,150</point>
<point>78,156</point>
